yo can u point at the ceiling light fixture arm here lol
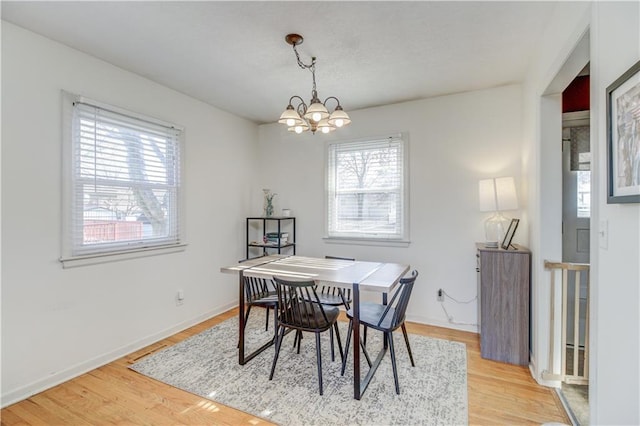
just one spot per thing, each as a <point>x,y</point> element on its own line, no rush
<point>301,107</point>
<point>336,99</point>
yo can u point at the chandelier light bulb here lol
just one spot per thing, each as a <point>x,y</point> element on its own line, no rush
<point>298,129</point>
<point>339,122</point>
<point>326,129</point>
<point>316,116</point>
<point>291,122</point>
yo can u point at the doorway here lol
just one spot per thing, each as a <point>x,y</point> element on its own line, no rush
<point>576,218</point>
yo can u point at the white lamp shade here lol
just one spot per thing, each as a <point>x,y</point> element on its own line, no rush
<point>299,127</point>
<point>325,127</point>
<point>290,117</point>
<point>339,118</point>
<point>318,109</point>
<point>506,194</point>
<point>487,195</point>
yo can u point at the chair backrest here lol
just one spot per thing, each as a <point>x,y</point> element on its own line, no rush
<point>400,301</point>
<point>256,288</point>
<point>299,305</point>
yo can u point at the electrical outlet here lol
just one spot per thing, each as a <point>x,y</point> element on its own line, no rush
<point>440,295</point>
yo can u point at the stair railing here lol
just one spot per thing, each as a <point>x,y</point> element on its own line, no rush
<point>578,375</point>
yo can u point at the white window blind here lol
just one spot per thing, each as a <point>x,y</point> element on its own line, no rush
<point>366,190</point>
<point>125,182</point>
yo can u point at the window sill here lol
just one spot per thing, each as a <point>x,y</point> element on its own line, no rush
<point>367,241</point>
<point>97,258</point>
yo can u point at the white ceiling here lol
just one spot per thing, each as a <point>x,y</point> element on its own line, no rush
<point>233,55</point>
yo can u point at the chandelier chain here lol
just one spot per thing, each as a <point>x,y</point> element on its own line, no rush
<point>311,67</point>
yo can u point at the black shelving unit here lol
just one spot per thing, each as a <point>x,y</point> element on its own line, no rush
<point>282,224</point>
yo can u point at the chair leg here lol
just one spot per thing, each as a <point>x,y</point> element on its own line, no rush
<point>275,356</point>
<point>366,354</point>
<point>392,351</point>
<point>319,359</point>
<point>333,356</point>
<point>266,323</point>
<point>275,324</point>
<point>365,335</point>
<point>299,340</point>
<point>246,316</point>
<point>406,340</point>
<point>335,325</point>
<point>347,344</point>
<point>346,348</point>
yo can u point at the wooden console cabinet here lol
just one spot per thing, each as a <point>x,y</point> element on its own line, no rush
<point>503,303</point>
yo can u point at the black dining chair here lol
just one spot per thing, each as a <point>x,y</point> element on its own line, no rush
<point>299,309</point>
<point>386,318</point>
<point>258,293</point>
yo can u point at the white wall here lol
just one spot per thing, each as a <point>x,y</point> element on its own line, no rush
<point>454,141</point>
<point>57,323</point>
<point>614,36</point>
<point>615,47</point>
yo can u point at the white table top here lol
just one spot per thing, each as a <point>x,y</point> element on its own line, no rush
<point>374,276</point>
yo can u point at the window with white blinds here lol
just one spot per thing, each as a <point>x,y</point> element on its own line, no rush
<point>124,181</point>
<point>366,190</point>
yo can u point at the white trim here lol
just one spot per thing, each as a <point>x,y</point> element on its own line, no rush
<point>122,111</point>
<point>96,255</point>
<point>367,241</point>
<point>97,258</point>
<point>404,241</point>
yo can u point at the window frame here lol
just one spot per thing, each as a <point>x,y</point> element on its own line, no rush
<point>69,255</point>
<point>399,241</point>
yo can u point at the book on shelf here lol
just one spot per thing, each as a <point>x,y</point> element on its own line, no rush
<point>275,235</point>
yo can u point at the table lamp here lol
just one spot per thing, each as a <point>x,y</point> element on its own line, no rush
<point>497,195</point>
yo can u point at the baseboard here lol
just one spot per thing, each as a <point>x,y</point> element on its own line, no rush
<point>55,379</point>
<point>537,375</point>
<point>439,323</point>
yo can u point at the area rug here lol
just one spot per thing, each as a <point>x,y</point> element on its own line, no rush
<point>434,392</point>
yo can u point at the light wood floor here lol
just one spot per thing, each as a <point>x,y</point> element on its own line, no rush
<point>498,393</point>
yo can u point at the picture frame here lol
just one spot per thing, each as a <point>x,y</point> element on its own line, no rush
<point>623,138</point>
<point>508,236</point>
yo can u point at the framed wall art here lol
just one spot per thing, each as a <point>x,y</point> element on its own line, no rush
<point>623,138</point>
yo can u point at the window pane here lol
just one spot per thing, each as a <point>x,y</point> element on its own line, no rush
<point>584,193</point>
<point>125,182</point>
<point>366,189</point>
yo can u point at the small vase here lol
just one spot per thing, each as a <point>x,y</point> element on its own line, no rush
<point>268,202</point>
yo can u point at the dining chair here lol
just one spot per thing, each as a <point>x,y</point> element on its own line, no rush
<point>331,296</point>
<point>386,318</point>
<point>299,309</point>
<point>258,293</point>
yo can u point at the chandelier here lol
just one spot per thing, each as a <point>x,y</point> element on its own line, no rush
<point>315,116</point>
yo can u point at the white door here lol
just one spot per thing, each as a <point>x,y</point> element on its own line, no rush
<point>576,211</point>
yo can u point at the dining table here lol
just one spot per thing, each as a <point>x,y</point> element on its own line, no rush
<point>380,277</point>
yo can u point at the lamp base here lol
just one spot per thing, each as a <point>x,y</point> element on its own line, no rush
<point>494,229</point>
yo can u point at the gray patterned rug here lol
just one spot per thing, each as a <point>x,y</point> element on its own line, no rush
<point>432,393</point>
